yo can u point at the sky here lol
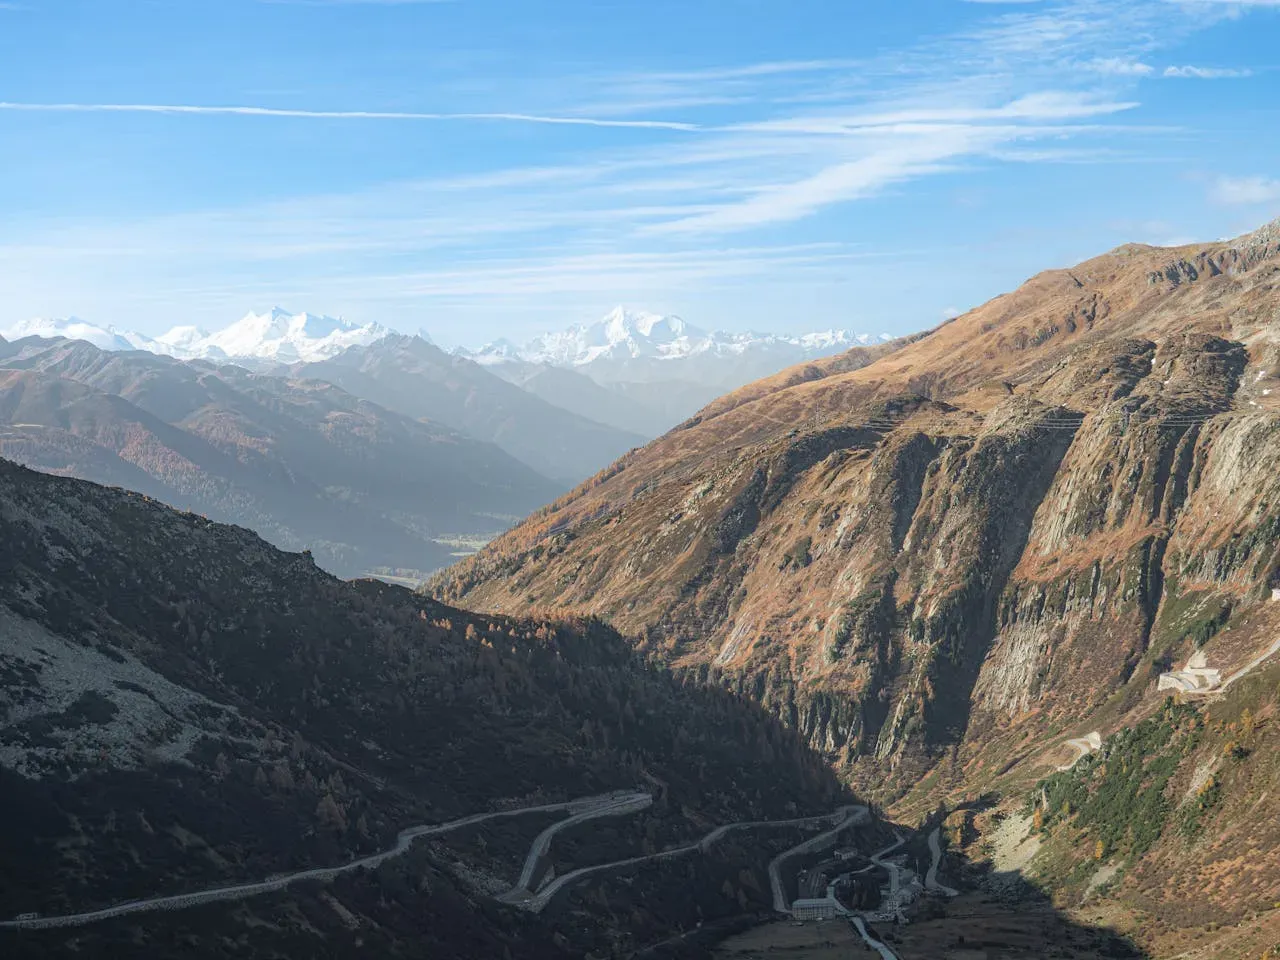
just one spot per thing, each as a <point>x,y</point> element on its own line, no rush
<point>486,168</point>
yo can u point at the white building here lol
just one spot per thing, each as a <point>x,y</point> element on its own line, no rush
<point>815,909</point>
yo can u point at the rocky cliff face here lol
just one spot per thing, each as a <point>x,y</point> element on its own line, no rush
<point>1006,527</point>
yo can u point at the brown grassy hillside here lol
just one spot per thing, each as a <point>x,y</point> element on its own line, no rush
<point>941,565</point>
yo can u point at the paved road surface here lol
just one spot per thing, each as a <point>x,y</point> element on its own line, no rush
<point>931,877</point>
<point>535,902</point>
<point>1083,746</point>
<point>631,803</point>
<point>848,816</point>
<point>1249,667</point>
<point>404,841</point>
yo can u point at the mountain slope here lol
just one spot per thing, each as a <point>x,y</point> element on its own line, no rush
<point>417,379</point>
<point>941,566</point>
<point>184,706</point>
<point>302,462</point>
<point>1007,503</point>
<point>570,390</point>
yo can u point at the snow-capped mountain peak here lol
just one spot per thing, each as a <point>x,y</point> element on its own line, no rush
<point>73,328</point>
<point>625,335</point>
<point>276,335</point>
<point>621,324</point>
<point>183,338</point>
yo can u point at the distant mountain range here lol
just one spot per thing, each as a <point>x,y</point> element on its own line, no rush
<point>276,335</point>
<point>418,379</point>
<point>655,370</point>
<point>376,450</point>
<point>625,335</point>
<point>301,461</point>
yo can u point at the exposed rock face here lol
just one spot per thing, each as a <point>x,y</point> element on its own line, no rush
<point>985,534</point>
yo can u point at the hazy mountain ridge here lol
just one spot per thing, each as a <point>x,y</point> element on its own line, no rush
<point>942,564</point>
<point>634,372</point>
<point>303,462</point>
<point>418,379</point>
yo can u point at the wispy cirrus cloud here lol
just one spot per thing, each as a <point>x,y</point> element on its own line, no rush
<point>1120,67</point>
<point>255,111</point>
<point>684,203</point>
<point>1206,73</point>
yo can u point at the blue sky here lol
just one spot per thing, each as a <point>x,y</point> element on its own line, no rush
<point>485,168</point>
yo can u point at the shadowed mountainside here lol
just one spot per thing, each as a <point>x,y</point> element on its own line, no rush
<point>184,705</point>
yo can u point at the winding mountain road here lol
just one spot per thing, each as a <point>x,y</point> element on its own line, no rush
<point>535,902</point>
<point>1083,746</point>
<point>631,803</point>
<point>582,809</point>
<point>931,876</point>
<point>404,840</point>
<point>848,816</point>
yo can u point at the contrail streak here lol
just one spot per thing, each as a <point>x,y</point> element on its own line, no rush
<point>170,108</point>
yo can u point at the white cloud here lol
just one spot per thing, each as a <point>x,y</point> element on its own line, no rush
<point>1206,73</point>
<point>1119,67</point>
<point>1050,105</point>
<point>1245,190</point>
<point>249,111</point>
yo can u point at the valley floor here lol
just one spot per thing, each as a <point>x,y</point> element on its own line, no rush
<point>972,928</point>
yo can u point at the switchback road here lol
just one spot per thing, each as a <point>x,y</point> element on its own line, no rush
<point>1083,746</point>
<point>847,816</point>
<point>630,803</point>
<point>404,840</point>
